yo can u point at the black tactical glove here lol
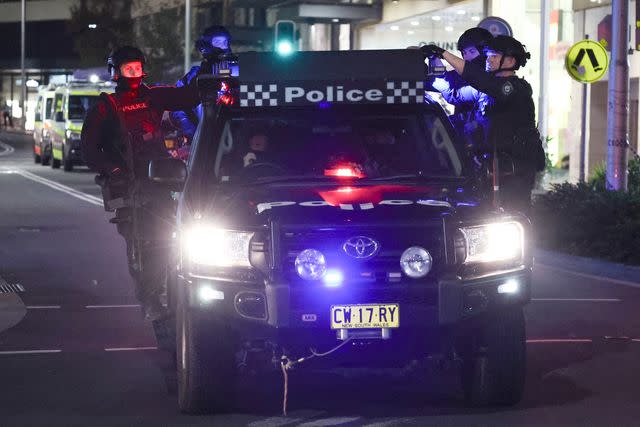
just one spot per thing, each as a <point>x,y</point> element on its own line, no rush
<point>432,50</point>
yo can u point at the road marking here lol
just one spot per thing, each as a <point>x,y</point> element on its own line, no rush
<point>113,306</point>
<point>576,299</point>
<point>333,421</point>
<point>293,418</point>
<point>558,340</point>
<point>29,352</point>
<point>591,276</point>
<point>44,307</point>
<point>7,149</point>
<point>60,187</point>
<point>130,348</point>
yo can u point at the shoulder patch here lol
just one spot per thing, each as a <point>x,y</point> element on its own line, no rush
<point>507,88</point>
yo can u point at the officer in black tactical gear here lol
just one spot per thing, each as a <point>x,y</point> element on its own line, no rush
<point>466,118</point>
<point>120,135</point>
<point>506,102</point>
<point>214,41</point>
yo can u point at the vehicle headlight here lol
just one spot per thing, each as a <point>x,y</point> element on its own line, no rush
<point>311,264</point>
<point>209,245</point>
<point>72,134</point>
<point>502,241</point>
<point>416,262</point>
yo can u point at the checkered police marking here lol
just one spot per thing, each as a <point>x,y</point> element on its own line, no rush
<point>348,92</point>
<point>405,92</point>
<point>259,95</point>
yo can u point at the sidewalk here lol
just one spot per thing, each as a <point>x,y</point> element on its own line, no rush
<point>621,273</point>
<point>15,130</point>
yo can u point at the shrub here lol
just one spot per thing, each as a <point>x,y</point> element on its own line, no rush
<point>598,178</point>
<point>585,220</point>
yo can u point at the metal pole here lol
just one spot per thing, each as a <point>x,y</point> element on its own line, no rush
<point>618,117</point>
<point>23,75</point>
<point>187,36</point>
<point>586,95</point>
<point>543,105</point>
<point>584,136</point>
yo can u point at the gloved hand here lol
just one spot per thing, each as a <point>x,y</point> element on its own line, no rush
<point>431,50</point>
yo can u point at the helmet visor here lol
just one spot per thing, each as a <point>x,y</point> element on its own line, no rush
<point>220,42</point>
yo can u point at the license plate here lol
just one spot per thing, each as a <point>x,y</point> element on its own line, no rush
<point>365,316</point>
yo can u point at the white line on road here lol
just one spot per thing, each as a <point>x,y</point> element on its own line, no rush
<point>130,348</point>
<point>576,299</point>
<point>60,187</point>
<point>29,352</point>
<point>44,307</point>
<point>113,306</point>
<point>591,276</point>
<point>7,149</point>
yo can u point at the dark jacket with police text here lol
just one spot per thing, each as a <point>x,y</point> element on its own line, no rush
<point>103,143</point>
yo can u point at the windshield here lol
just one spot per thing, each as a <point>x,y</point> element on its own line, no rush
<point>332,146</point>
<point>79,105</point>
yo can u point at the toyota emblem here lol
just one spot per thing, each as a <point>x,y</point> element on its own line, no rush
<point>361,247</point>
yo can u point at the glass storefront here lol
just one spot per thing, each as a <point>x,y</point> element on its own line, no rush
<point>442,27</point>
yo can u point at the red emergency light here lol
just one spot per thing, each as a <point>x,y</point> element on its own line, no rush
<point>344,171</point>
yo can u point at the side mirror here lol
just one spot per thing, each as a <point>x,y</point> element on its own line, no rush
<point>59,117</point>
<point>170,173</point>
<point>38,117</point>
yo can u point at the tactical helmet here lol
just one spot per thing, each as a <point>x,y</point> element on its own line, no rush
<point>508,46</point>
<point>203,43</point>
<point>123,55</point>
<point>477,37</point>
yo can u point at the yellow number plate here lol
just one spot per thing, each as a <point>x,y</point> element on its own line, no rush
<point>365,316</point>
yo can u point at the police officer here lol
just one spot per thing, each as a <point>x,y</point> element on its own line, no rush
<point>214,41</point>
<point>507,103</point>
<point>453,88</point>
<point>120,135</point>
<point>467,117</point>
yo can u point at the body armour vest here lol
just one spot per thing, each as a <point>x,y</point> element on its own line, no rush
<point>140,125</point>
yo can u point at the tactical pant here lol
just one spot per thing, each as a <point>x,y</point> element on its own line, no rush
<point>515,192</point>
<point>149,243</point>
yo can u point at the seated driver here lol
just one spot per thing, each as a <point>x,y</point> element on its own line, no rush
<point>258,149</point>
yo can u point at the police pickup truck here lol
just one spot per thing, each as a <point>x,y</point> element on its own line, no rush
<point>328,206</point>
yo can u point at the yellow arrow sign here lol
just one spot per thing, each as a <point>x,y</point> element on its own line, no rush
<point>587,61</point>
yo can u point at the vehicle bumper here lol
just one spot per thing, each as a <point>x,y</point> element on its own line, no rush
<point>298,316</point>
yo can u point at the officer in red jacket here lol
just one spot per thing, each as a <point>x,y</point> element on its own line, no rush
<point>120,136</point>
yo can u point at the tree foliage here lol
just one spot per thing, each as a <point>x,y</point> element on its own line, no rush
<point>113,28</point>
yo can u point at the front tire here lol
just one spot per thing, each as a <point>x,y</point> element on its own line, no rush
<point>205,361</point>
<point>55,163</point>
<point>67,163</point>
<point>494,360</point>
<point>46,155</point>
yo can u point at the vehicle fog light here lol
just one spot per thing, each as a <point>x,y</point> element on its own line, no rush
<point>333,278</point>
<point>509,287</point>
<point>416,262</point>
<point>311,265</point>
<point>206,294</point>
